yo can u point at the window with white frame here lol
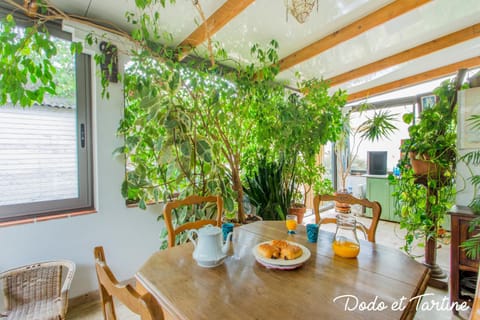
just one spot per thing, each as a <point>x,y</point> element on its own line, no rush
<point>46,150</point>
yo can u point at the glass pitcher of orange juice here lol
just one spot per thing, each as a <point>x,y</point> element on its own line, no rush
<point>345,243</point>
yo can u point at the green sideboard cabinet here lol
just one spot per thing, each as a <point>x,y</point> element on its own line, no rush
<point>379,189</point>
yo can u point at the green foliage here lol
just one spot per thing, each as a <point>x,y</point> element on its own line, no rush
<point>471,246</point>
<point>266,189</point>
<point>189,128</point>
<point>26,72</point>
<point>293,133</point>
<point>411,204</point>
<point>434,139</point>
<point>379,126</point>
<point>186,129</point>
<point>35,65</point>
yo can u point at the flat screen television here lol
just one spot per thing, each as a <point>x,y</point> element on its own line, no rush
<point>377,162</point>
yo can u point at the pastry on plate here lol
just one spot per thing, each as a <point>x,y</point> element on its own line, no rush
<point>279,243</point>
<point>291,252</point>
<point>279,249</point>
<point>269,251</point>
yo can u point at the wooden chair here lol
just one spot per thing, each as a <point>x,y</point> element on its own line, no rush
<point>191,200</point>
<point>143,305</point>
<point>36,291</point>
<point>347,198</point>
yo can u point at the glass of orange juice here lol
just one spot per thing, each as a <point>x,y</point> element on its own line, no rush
<point>346,242</point>
<point>291,222</point>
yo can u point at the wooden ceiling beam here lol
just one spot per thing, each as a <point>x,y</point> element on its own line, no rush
<point>415,79</point>
<point>410,54</point>
<point>368,22</point>
<point>229,10</point>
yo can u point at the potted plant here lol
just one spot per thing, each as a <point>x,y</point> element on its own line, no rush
<point>304,123</point>
<point>265,189</point>
<point>422,199</point>
<point>315,119</point>
<point>432,141</point>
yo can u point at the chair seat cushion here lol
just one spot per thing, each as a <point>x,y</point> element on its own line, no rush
<point>40,310</point>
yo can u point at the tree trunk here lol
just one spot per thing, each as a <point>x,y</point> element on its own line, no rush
<point>237,187</point>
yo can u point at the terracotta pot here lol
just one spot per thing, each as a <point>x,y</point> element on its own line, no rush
<point>422,167</point>
<point>299,212</point>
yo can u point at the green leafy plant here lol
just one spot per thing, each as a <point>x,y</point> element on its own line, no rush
<point>189,127</point>
<point>411,205</point>
<point>266,189</point>
<point>307,123</point>
<point>26,71</point>
<point>292,135</point>
<point>203,125</point>
<point>422,201</point>
<point>433,138</point>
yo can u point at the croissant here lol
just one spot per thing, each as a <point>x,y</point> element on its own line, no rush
<point>279,243</point>
<point>268,251</point>
<point>291,252</point>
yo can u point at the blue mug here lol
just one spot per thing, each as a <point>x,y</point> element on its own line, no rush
<point>226,229</point>
<point>312,232</point>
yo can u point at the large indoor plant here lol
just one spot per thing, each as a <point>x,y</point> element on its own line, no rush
<point>422,199</point>
<point>303,123</point>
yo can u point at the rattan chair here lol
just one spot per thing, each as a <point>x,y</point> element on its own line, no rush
<point>143,305</point>
<point>191,200</point>
<point>347,198</point>
<point>36,291</point>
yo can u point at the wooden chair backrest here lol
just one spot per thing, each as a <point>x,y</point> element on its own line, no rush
<point>348,198</point>
<point>143,305</point>
<point>191,200</point>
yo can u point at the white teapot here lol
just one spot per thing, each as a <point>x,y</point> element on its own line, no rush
<point>208,248</point>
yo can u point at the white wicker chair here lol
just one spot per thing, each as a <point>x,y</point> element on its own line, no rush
<point>36,291</point>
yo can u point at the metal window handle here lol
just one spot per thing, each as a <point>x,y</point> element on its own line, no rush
<point>82,135</point>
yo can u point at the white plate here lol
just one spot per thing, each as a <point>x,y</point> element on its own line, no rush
<point>295,263</point>
<point>271,266</point>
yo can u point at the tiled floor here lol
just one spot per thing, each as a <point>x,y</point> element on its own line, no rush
<point>387,234</point>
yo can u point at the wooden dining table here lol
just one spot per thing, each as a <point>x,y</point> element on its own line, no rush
<point>381,283</point>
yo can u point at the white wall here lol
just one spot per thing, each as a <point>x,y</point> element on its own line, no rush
<point>469,104</point>
<point>129,235</point>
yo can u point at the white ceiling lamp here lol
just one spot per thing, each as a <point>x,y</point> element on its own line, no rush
<point>300,9</point>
